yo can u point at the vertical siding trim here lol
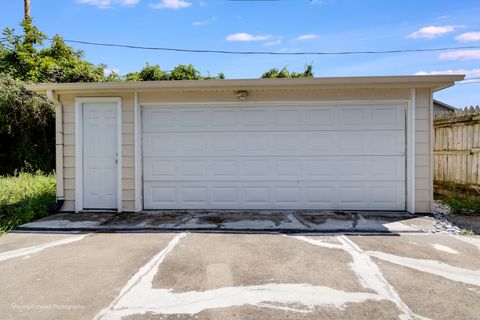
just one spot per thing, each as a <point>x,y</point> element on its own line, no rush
<point>119,154</point>
<point>59,158</point>
<point>78,156</point>
<point>432,141</point>
<point>138,154</point>
<point>411,152</point>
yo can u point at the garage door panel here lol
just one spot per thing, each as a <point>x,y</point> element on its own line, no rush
<point>388,168</point>
<point>261,194</point>
<point>159,119</point>
<point>288,117</point>
<point>304,157</point>
<point>263,118</point>
<point>308,143</point>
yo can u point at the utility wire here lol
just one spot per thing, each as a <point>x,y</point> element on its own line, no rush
<point>128,46</point>
<point>103,44</point>
<point>466,81</point>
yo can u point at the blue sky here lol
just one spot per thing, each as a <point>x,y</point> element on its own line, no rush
<point>284,25</point>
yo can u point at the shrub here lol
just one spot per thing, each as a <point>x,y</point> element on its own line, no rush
<point>24,198</point>
<point>464,206</point>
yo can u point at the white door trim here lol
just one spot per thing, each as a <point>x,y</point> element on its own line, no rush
<point>411,151</point>
<point>409,142</point>
<point>138,155</point>
<point>79,149</point>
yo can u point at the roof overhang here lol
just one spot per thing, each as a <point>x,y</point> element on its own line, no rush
<point>443,104</point>
<point>435,82</point>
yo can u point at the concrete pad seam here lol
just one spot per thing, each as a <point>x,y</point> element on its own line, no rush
<point>188,218</point>
<point>301,220</point>
<point>356,218</point>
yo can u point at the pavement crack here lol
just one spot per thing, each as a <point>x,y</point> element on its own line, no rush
<point>142,278</point>
<point>367,272</point>
<point>38,248</point>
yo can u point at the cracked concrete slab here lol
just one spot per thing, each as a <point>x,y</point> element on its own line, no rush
<point>363,311</point>
<point>75,280</point>
<point>259,220</point>
<point>328,220</point>
<point>239,260</point>
<point>433,296</point>
<point>238,220</point>
<point>444,248</point>
<point>15,241</point>
<point>242,276</point>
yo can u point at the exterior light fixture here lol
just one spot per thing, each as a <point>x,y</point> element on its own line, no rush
<point>242,95</point>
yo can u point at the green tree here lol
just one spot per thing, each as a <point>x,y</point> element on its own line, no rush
<point>284,73</point>
<point>27,129</point>
<point>180,72</point>
<point>27,58</point>
<point>152,73</point>
<point>113,77</point>
<point>184,72</point>
<point>219,76</point>
<point>132,76</point>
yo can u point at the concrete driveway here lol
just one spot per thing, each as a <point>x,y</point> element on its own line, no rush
<point>238,276</point>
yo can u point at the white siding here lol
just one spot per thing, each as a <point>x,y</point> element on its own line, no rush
<point>423,150</point>
<point>128,159</point>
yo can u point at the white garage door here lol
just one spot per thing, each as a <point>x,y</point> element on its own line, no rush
<point>295,157</point>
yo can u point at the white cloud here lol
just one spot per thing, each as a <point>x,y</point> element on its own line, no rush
<point>247,37</point>
<point>307,37</point>
<point>432,32</point>
<point>171,4</point>
<point>460,55</point>
<point>469,36</point>
<point>272,43</point>
<point>109,3</point>
<point>203,22</point>
<point>469,73</point>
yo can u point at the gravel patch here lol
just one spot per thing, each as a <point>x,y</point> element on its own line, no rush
<point>442,224</point>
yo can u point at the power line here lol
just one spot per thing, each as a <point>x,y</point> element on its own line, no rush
<point>466,81</point>
<point>128,46</point>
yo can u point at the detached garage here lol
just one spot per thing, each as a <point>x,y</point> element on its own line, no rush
<point>362,143</point>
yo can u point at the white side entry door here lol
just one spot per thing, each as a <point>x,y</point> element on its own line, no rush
<point>100,155</point>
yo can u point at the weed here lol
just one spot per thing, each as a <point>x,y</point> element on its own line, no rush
<point>463,206</point>
<point>24,198</point>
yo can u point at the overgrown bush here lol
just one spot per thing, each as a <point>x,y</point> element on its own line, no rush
<point>24,198</point>
<point>27,129</point>
<point>463,206</point>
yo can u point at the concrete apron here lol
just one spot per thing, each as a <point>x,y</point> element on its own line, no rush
<point>285,221</point>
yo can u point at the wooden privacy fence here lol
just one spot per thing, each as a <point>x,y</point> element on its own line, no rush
<point>457,148</point>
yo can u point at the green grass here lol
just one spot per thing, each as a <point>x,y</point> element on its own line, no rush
<point>463,206</point>
<point>467,232</point>
<point>25,198</point>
